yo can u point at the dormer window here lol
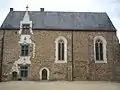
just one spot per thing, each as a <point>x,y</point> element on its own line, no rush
<point>25,29</point>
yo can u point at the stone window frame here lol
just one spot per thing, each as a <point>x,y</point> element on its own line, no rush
<point>24,50</point>
<point>48,73</point>
<point>104,42</point>
<point>65,50</point>
<point>24,71</point>
<point>25,29</point>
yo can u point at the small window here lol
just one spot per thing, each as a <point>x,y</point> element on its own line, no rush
<point>26,29</point>
<point>24,50</point>
<point>99,49</point>
<point>24,71</point>
<point>61,50</point>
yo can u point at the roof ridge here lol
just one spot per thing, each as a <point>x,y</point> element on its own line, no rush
<point>62,12</point>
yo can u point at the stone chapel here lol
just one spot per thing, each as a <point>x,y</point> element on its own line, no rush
<point>52,45</point>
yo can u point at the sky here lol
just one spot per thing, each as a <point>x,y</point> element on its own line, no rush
<point>111,7</point>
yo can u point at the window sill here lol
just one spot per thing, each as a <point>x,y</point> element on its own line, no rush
<point>24,56</point>
<point>58,61</point>
<point>101,61</point>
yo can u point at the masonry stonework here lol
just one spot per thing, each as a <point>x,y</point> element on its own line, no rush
<point>82,67</point>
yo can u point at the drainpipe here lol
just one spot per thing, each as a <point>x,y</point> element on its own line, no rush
<point>2,49</point>
<point>72,56</point>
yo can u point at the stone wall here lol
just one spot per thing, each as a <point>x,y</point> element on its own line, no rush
<point>83,67</point>
<point>1,33</point>
<point>11,52</point>
<point>45,54</point>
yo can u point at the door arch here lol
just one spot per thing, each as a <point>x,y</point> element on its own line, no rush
<point>14,75</point>
<point>44,73</point>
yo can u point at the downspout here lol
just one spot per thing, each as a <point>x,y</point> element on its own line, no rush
<point>2,49</point>
<point>72,56</point>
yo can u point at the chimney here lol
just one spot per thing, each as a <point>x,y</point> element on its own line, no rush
<point>42,9</point>
<point>11,9</point>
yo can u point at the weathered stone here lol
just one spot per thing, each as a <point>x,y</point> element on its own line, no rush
<point>82,67</point>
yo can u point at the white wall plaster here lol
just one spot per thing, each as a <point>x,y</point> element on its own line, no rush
<point>25,39</point>
<point>33,49</point>
<point>15,67</point>
<point>24,60</point>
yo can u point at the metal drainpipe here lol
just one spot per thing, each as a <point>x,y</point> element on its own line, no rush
<point>72,56</point>
<point>2,48</point>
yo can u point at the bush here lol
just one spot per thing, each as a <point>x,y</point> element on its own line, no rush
<point>19,79</point>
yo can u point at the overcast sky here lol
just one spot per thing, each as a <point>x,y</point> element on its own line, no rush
<point>112,7</point>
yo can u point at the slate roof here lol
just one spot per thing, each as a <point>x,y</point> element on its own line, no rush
<point>60,20</point>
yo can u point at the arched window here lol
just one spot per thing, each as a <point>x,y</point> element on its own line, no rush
<point>100,49</point>
<point>61,50</point>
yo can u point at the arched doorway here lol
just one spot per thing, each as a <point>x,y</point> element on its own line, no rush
<point>14,75</point>
<point>44,74</point>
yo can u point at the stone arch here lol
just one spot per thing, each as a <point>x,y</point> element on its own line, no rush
<point>65,49</point>
<point>44,71</point>
<point>14,75</point>
<point>104,42</point>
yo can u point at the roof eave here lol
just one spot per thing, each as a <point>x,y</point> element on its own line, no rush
<point>87,29</point>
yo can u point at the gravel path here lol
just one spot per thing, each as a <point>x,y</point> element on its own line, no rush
<point>59,85</point>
